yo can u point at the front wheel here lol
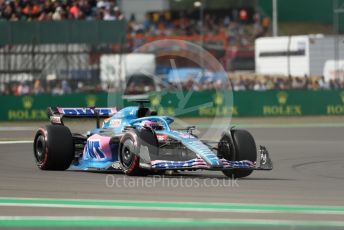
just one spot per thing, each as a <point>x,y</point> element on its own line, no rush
<point>244,148</point>
<point>129,160</point>
<point>131,144</point>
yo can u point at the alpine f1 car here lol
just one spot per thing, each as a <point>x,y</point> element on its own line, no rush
<point>137,141</point>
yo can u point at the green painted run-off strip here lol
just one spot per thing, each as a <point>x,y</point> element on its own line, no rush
<point>151,205</point>
<point>157,223</point>
<point>20,221</point>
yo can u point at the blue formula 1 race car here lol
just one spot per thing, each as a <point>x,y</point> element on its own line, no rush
<point>137,141</point>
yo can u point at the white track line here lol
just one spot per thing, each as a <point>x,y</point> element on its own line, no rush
<point>15,142</point>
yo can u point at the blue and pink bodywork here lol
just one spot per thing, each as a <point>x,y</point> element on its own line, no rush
<point>100,153</point>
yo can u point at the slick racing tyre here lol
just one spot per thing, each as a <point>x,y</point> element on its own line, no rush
<point>53,147</point>
<point>129,151</point>
<point>244,149</point>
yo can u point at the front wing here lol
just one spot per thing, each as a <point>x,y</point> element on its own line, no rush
<point>264,163</point>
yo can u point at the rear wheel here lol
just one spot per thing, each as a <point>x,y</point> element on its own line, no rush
<point>53,147</point>
<point>244,148</point>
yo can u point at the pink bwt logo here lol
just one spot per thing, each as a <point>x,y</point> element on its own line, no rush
<point>98,147</point>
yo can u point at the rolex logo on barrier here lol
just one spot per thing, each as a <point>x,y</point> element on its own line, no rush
<point>163,109</point>
<point>218,99</point>
<point>27,102</point>
<point>155,100</point>
<point>28,111</point>
<point>220,107</point>
<point>342,96</point>
<point>91,100</point>
<point>336,109</point>
<point>282,108</point>
<point>282,97</point>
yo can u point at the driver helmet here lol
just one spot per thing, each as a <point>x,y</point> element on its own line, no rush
<point>152,124</point>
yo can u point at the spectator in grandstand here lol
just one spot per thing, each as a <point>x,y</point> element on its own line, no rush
<point>57,90</point>
<point>58,14</point>
<point>37,87</point>
<point>323,84</point>
<point>336,84</point>
<point>3,89</point>
<point>65,87</point>
<point>22,89</point>
<point>238,85</point>
<point>6,11</point>
<point>75,11</point>
<point>259,86</point>
<point>266,24</point>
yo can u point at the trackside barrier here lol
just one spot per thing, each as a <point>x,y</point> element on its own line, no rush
<point>199,104</point>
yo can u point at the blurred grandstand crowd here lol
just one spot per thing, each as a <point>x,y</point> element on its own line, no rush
<point>43,10</point>
<point>238,83</point>
<point>239,27</point>
<point>236,26</point>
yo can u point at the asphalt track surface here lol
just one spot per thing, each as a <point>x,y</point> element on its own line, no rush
<point>304,190</point>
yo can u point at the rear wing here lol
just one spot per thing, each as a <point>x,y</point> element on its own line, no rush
<point>56,114</point>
